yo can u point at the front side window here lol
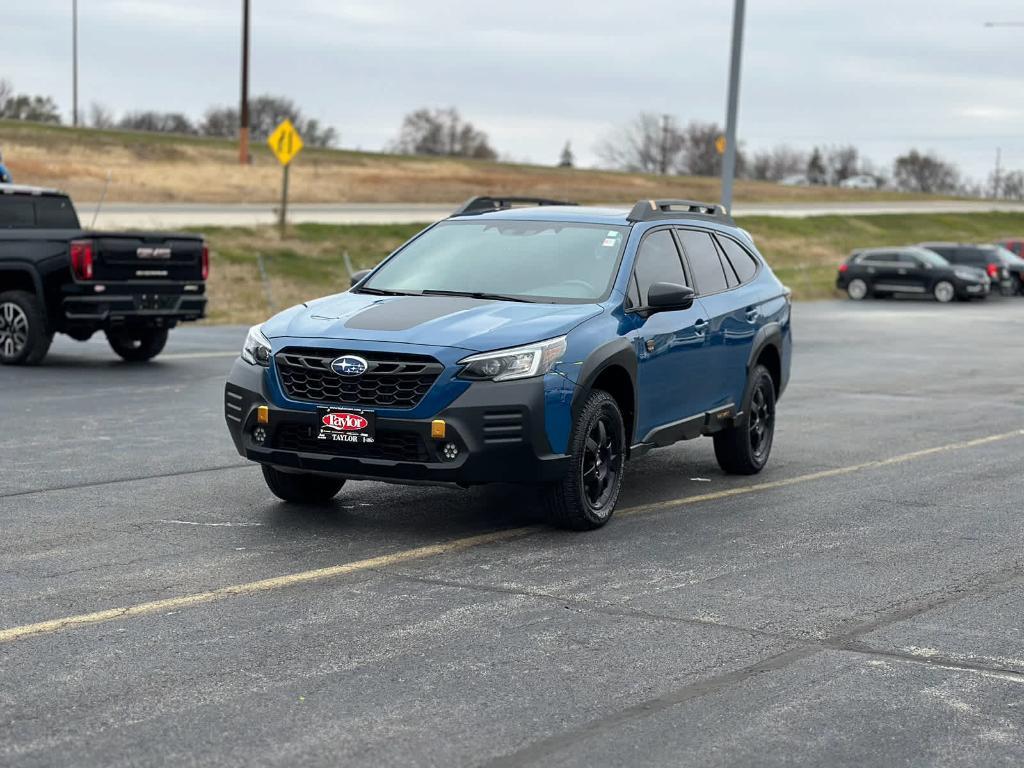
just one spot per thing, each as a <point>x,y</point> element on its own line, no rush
<point>544,261</point>
<point>702,256</point>
<point>657,261</point>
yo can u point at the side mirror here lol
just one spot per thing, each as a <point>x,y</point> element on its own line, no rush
<point>666,297</point>
<point>357,276</point>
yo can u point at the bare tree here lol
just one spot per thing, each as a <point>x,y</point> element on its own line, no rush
<point>265,114</point>
<point>100,116</point>
<point>700,155</point>
<point>441,132</point>
<point>1011,184</point>
<point>649,144</point>
<point>157,122</point>
<point>925,172</point>
<point>777,163</point>
<point>841,163</point>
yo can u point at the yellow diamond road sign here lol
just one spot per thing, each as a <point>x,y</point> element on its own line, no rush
<point>720,145</point>
<point>285,142</point>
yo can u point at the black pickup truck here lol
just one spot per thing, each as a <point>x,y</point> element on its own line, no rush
<point>56,277</point>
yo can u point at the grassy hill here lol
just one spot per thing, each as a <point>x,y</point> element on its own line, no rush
<point>309,261</point>
<point>151,167</point>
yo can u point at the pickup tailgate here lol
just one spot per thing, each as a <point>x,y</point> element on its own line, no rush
<point>142,257</point>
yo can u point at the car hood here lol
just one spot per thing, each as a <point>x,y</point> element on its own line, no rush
<point>477,325</point>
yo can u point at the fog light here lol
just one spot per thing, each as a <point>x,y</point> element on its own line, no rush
<point>259,435</point>
<point>450,451</point>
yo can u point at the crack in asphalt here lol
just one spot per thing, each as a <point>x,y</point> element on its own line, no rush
<point>984,585</point>
<point>116,481</point>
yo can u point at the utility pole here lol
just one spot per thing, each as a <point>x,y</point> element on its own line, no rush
<point>74,63</point>
<point>729,161</point>
<point>243,110</point>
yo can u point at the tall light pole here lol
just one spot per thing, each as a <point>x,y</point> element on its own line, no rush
<point>243,110</point>
<point>74,63</point>
<point>729,161</point>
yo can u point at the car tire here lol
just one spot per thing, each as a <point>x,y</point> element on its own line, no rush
<point>302,487</point>
<point>24,337</point>
<point>858,289</point>
<point>744,448</point>
<point>585,498</point>
<point>138,346</point>
<point>944,291</point>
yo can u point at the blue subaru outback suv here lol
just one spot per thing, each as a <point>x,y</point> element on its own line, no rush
<point>544,344</point>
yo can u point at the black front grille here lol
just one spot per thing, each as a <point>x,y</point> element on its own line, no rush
<point>392,445</point>
<point>391,380</point>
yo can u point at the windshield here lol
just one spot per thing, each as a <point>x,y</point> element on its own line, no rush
<point>930,257</point>
<point>527,260</point>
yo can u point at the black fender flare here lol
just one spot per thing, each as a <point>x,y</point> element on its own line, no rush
<point>618,351</point>
<point>769,335</point>
<point>14,266</point>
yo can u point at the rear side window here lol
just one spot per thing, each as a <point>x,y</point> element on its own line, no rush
<point>55,213</point>
<point>16,212</point>
<point>742,262</point>
<point>657,262</point>
<point>702,256</point>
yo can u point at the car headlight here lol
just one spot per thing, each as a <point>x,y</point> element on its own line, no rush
<point>517,363</point>
<point>256,349</point>
<point>968,275</point>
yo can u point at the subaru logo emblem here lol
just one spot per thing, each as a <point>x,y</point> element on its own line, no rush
<point>349,365</point>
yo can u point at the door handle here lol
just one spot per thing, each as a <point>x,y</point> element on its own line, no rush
<point>700,326</point>
<point>752,314</point>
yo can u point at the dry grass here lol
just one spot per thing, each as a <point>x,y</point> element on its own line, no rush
<point>147,167</point>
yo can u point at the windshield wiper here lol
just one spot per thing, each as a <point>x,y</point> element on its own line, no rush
<point>478,295</point>
<point>382,292</point>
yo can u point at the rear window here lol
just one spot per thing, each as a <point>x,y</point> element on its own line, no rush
<point>741,261</point>
<point>32,212</point>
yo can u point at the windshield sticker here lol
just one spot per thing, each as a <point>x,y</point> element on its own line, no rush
<point>609,242</point>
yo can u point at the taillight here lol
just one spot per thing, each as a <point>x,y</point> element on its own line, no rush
<point>993,270</point>
<point>843,267</point>
<point>81,259</point>
<point>206,261</point>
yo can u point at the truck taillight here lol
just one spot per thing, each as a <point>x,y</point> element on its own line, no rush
<point>81,259</point>
<point>206,261</point>
<point>993,270</point>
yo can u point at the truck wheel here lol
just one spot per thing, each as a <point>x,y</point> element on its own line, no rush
<point>137,346</point>
<point>585,498</point>
<point>301,488</point>
<point>24,338</point>
<point>744,448</point>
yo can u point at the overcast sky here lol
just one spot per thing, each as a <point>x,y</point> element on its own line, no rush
<point>882,74</point>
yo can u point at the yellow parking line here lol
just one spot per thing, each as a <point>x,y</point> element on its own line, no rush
<point>419,553</point>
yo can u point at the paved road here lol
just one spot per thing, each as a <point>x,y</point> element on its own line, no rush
<point>169,215</point>
<point>859,603</point>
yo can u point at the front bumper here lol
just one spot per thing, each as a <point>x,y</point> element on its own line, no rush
<point>498,428</point>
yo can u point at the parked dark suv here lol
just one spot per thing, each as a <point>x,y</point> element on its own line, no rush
<point>883,272</point>
<point>993,259</point>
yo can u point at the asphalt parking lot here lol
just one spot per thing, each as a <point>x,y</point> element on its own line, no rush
<point>859,603</point>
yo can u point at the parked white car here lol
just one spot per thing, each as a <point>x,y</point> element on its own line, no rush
<point>862,181</point>
<point>795,180</point>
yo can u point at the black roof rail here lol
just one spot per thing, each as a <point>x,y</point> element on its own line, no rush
<point>486,204</point>
<point>652,210</point>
